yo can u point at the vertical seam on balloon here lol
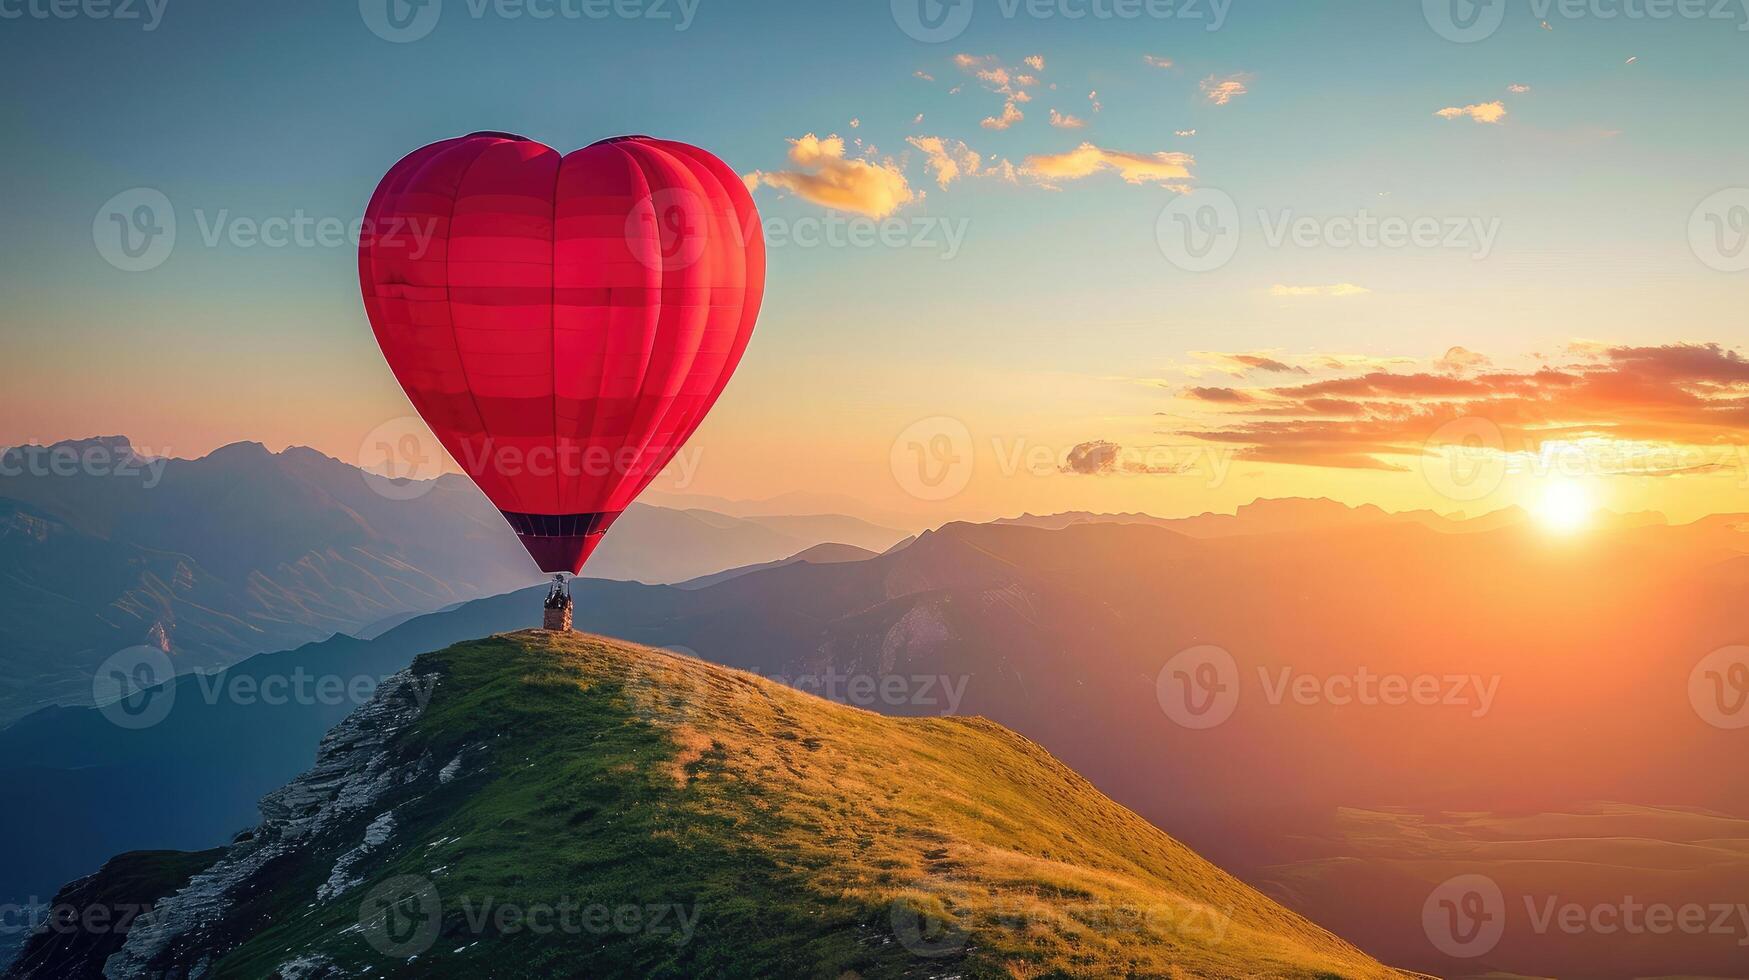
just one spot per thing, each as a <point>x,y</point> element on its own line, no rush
<point>653,310</point>
<point>597,496</point>
<point>461,361</point>
<point>655,420</point>
<point>553,329</point>
<point>704,178</point>
<point>743,329</point>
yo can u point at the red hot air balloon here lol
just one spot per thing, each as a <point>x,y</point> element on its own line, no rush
<point>562,322</point>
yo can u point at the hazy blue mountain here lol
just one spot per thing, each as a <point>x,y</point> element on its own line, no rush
<point>820,554</point>
<point>244,551</point>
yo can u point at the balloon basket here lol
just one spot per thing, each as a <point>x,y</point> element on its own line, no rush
<point>556,611</point>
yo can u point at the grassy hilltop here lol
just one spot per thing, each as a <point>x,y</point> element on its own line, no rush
<point>699,821</point>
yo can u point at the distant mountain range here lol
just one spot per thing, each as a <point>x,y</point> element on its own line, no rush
<point>722,824</point>
<point>1290,514</point>
<point>244,551</point>
<point>1559,669</point>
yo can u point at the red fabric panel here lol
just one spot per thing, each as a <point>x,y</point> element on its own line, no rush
<point>563,324</point>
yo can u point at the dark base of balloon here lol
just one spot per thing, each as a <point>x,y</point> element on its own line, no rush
<point>560,542</point>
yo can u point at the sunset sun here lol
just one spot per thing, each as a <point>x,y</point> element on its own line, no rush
<point>1565,507</point>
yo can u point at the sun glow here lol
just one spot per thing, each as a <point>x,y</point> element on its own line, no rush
<point>1565,507</point>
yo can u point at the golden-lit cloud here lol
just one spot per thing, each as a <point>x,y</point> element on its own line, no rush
<point>1484,112</point>
<point>1461,360</point>
<point>950,160</point>
<point>1677,395</point>
<point>947,159</point>
<point>992,73</point>
<point>1240,365</point>
<point>1170,169</point>
<point>1101,457</point>
<point>1222,90</point>
<point>1011,114</point>
<point>1065,121</point>
<point>923,75</point>
<point>1335,289</point>
<point>1153,62</point>
<point>1036,62</point>
<point>1517,89</point>
<point>824,176</point>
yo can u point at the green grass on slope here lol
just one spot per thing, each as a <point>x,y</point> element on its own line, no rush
<point>807,838</point>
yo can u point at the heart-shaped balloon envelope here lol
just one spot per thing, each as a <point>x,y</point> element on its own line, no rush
<point>562,322</point>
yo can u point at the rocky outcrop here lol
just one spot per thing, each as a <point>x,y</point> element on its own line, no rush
<point>353,781</point>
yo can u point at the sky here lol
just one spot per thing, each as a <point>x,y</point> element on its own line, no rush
<point>1110,255</point>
